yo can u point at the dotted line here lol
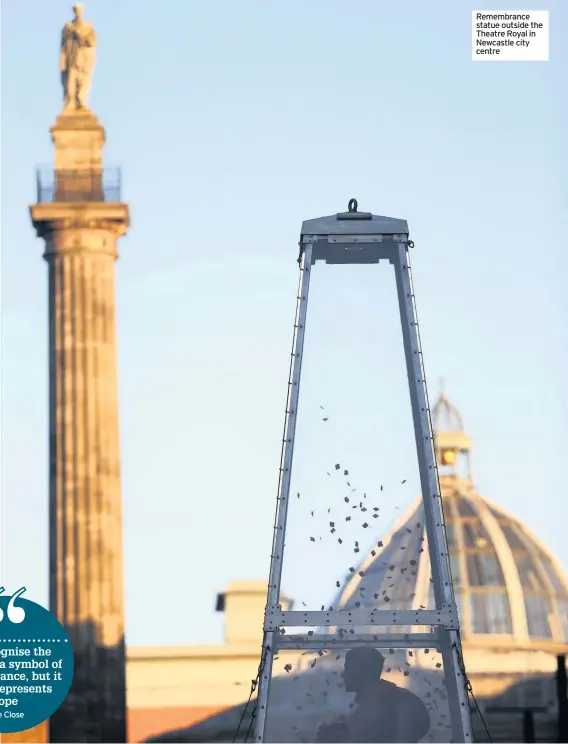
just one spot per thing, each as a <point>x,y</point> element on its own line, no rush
<point>34,640</point>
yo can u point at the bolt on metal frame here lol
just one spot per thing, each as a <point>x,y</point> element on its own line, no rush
<point>354,237</point>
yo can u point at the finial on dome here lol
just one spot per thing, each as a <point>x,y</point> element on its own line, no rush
<point>451,442</point>
<point>445,416</point>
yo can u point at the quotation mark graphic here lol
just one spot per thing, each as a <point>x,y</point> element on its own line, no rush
<point>15,614</point>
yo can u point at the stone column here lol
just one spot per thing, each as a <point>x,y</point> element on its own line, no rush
<point>81,227</point>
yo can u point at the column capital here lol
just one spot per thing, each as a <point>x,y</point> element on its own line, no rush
<point>62,216</point>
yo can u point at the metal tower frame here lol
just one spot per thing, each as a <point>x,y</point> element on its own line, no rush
<point>354,237</point>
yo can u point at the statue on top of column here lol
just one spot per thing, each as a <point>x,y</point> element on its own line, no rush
<point>77,60</point>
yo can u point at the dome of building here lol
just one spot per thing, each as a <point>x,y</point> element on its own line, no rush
<point>510,590</point>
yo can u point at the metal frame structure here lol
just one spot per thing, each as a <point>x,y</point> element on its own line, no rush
<point>355,237</point>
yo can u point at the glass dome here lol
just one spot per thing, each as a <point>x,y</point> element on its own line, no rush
<point>507,585</point>
<point>506,582</point>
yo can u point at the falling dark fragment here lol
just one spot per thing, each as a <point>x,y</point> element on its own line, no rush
<point>312,514</point>
<point>375,508</point>
<point>418,525</point>
<point>346,472</point>
<point>305,605</point>
<point>409,530</point>
<point>406,674</point>
<point>337,466</point>
<point>313,663</point>
<point>438,666</point>
<point>313,539</point>
<point>357,604</point>
<point>332,524</point>
<point>339,540</point>
<point>325,419</point>
<point>288,668</point>
<point>413,562</point>
<point>332,530</point>
<point>387,599</point>
<point>349,484</point>
<point>380,544</point>
<point>355,550</point>
<point>361,573</point>
<point>338,657</point>
<point>352,570</point>
<point>322,608</point>
<point>373,552</point>
<point>404,481</point>
<point>298,495</point>
<point>391,567</point>
<point>375,516</point>
<point>365,525</point>
<point>322,408</point>
<point>346,499</point>
<point>338,584</point>
<point>347,519</point>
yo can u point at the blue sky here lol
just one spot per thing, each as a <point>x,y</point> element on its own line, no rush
<point>233,121</point>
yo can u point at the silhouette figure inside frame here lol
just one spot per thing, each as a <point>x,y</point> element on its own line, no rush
<point>383,711</point>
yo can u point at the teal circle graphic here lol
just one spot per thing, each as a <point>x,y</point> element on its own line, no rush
<point>36,663</point>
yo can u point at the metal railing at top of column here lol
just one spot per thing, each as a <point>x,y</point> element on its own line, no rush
<point>81,185</point>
